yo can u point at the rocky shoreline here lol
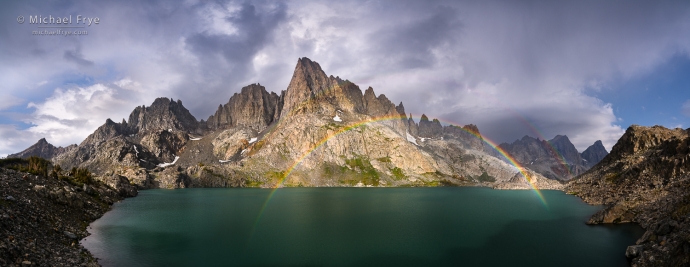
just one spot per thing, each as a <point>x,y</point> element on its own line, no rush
<point>645,180</point>
<point>42,219</point>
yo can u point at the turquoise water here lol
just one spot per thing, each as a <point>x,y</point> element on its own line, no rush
<point>355,227</point>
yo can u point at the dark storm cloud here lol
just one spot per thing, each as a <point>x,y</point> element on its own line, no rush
<point>76,57</point>
<point>228,57</point>
<point>508,66</point>
<point>409,45</point>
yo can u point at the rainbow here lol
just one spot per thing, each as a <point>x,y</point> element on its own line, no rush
<point>552,149</point>
<point>355,125</point>
<point>531,126</point>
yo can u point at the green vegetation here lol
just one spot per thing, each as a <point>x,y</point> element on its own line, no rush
<point>40,166</point>
<point>33,165</point>
<point>485,177</point>
<point>398,173</point>
<point>369,174</point>
<point>277,176</point>
<point>252,183</point>
<point>331,126</point>
<point>432,183</point>
<point>81,176</point>
<point>386,159</point>
<point>358,169</point>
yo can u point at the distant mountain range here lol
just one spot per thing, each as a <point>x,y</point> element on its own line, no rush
<point>320,131</point>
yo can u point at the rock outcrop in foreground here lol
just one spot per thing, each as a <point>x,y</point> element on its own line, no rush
<point>42,219</point>
<point>645,179</point>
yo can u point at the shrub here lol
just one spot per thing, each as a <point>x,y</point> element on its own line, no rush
<point>38,166</point>
<point>81,175</point>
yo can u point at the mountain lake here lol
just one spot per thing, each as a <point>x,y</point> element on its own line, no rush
<point>444,226</point>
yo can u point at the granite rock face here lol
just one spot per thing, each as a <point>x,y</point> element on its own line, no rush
<point>645,180</point>
<point>253,107</point>
<point>412,126</point>
<point>468,135</point>
<point>162,114</point>
<point>153,135</point>
<point>310,85</point>
<point>230,143</point>
<point>42,149</point>
<point>429,129</point>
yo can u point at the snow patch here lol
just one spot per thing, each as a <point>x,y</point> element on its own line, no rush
<point>223,161</point>
<point>170,130</point>
<point>252,140</point>
<point>163,165</point>
<point>243,151</point>
<point>410,138</point>
<point>136,151</point>
<point>337,118</point>
<point>195,139</point>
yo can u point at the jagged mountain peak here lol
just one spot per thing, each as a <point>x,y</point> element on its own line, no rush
<point>163,113</point>
<point>560,138</point>
<point>528,138</point>
<point>594,153</point>
<point>253,107</point>
<point>41,149</point>
<point>310,83</point>
<point>401,109</point>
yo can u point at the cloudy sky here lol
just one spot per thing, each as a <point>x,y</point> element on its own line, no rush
<point>586,69</point>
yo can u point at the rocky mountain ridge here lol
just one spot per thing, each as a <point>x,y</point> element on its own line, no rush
<point>556,158</point>
<point>319,122</point>
<point>42,149</point>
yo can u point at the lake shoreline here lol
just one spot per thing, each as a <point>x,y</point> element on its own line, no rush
<point>263,191</point>
<point>65,244</point>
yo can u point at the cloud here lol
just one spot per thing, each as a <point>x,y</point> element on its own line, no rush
<point>68,116</point>
<point>685,109</point>
<point>9,101</point>
<point>76,57</point>
<point>513,68</point>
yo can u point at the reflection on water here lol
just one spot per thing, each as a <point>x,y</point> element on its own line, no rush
<point>355,227</point>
